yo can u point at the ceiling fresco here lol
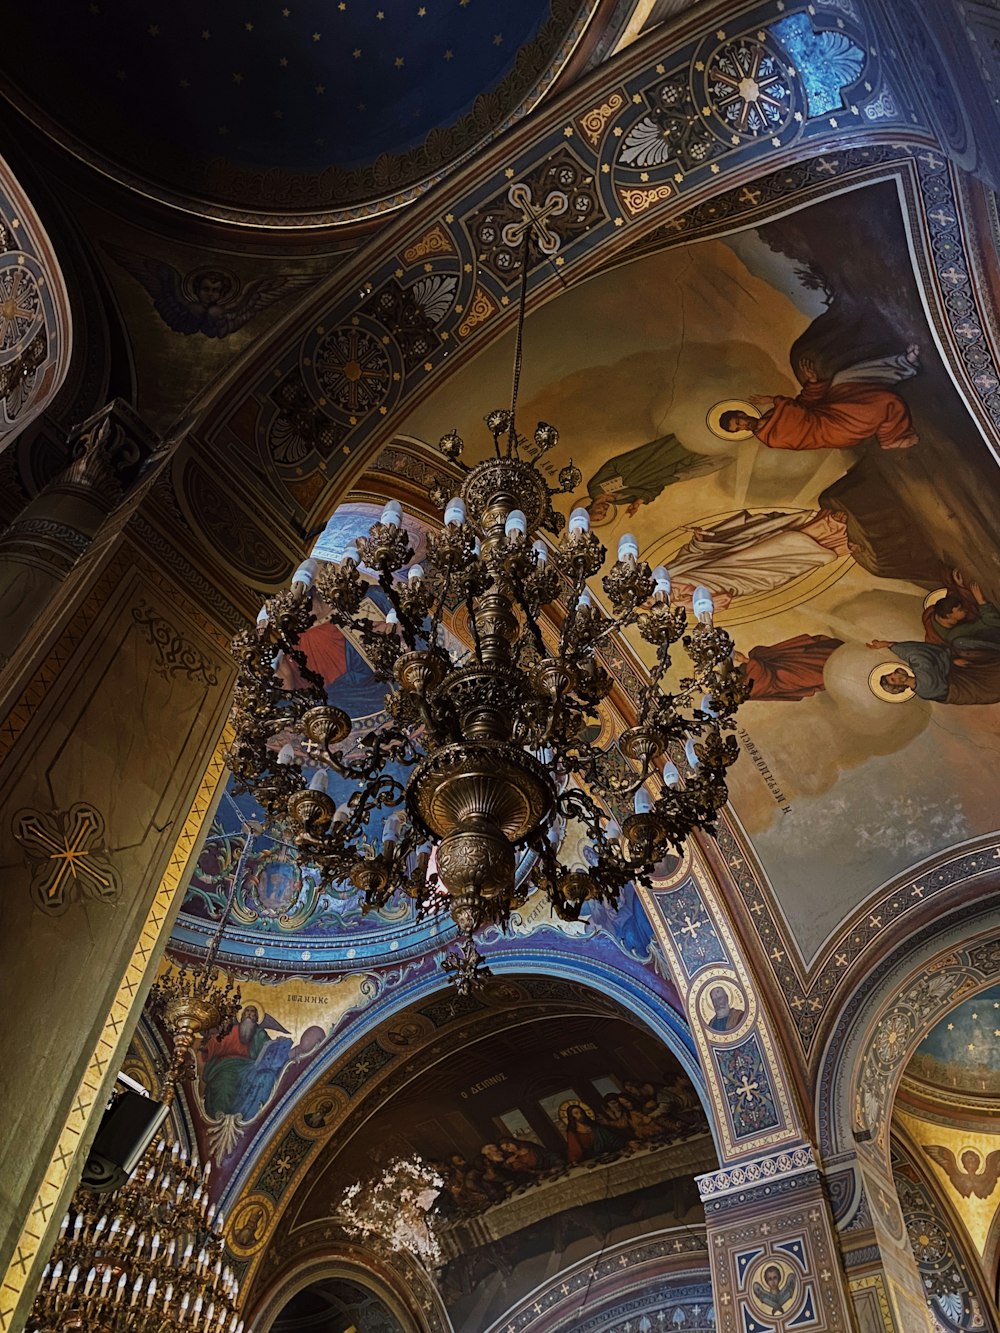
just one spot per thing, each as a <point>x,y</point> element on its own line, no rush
<point>961,1054</point>
<point>287,108</point>
<point>827,537</point>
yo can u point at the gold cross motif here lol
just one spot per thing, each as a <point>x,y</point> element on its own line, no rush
<point>68,859</point>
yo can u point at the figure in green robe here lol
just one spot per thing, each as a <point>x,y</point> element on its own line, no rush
<point>637,477</point>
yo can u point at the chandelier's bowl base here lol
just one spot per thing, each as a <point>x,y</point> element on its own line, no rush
<point>494,782</point>
<point>511,483</point>
<point>477,859</point>
<point>311,810</point>
<point>326,724</point>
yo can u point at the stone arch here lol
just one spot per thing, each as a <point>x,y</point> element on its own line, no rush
<point>37,328</point>
<point>403,1290</point>
<point>879,1026</point>
<point>663,1022</point>
<point>902,997</point>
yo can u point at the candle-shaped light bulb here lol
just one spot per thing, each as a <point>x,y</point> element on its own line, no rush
<point>477,547</point>
<point>455,510</point>
<point>286,755</point>
<point>586,598</point>
<point>351,553</point>
<point>392,514</point>
<point>122,1284</point>
<point>320,780</point>
<point>661,583</point>
<point>305,573</point>
<point>391,616</point>
<point>541,551</point>
<point>642,802</point>
<point>342,815</point>
<point>516,524</point>
<point>690,754</point>
<point>57,1272</point>
<point>88,1282</point>
<point>72,1278</point>
<point>136,1291</point>
<point>416,573</point>
<point>392,828</point>
<point>702,604</point>
<point>707,706</point>
<point>628,547</point>
<point>105,1280</point>
<point>579,521</point>
<point>613,832</point>
<point>671,774</point>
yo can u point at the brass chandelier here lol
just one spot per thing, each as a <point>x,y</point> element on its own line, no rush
<point>492,739</point>
<point>148,1258</point>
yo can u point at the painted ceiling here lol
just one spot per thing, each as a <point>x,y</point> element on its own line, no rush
<point>284,106</point>
<point>961,1054</point>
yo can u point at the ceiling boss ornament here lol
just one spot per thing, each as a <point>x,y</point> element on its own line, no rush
<point>484,757</point>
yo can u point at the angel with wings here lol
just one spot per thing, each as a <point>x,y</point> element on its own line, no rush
<point>210,301</point>
<point>971,1178</point>
<point>776,1290</point>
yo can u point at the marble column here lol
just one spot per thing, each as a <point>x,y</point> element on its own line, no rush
<point>772,1248</point>
<point>885,1287</point>
<point>112,708</point>
<point>56,529</point>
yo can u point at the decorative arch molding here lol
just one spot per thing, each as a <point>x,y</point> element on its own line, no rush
<point>36,326</point>
<point>663,1271</point>
<point>887,1016</point>
<point>401,1285</point>
<point>278,1131</point>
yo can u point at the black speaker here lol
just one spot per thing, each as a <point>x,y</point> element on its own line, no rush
<point>127,1129</point>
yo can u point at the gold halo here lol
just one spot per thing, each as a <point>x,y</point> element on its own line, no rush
<point>934,597</point>
<point>730,405</point>
<point>879,691</point>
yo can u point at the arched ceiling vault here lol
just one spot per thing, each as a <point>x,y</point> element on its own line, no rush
<point>294,421</point>
<point>290,117</point>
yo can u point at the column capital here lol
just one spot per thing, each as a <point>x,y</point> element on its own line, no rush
<point>107,452</point>
<point>763,1177</point>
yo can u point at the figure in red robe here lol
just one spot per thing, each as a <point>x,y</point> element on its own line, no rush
<point>838,413</point>
<point>787,671</point>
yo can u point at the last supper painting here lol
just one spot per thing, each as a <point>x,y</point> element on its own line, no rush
<point>768,412</point>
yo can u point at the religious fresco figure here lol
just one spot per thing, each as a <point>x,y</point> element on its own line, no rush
<point>638,477</point>
<point>975,1177</point>
<point>586,1137</point>
<point>788,671</point>
<point>746,553</point>
<point>851,407</point>
<point>725,1017</point>
<point>959,660</point>
<point>776,1290</point>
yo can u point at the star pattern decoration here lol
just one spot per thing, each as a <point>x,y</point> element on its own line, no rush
<point>961,1052</point>
<point>215,53</point>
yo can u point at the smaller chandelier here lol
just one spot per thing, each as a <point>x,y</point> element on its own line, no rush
<point>461,797</point>
<point>191,1002</point>
<point>146,1259</point>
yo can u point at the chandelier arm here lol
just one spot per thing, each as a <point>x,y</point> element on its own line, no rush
<point>534,629</point>
<point>406,624</point>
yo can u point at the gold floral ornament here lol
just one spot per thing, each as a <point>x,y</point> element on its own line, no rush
<point>67,855</point>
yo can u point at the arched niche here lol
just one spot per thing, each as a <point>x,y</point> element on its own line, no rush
<point>35,322</point>
<point>489,1100</point>
<point>329,1295</point>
